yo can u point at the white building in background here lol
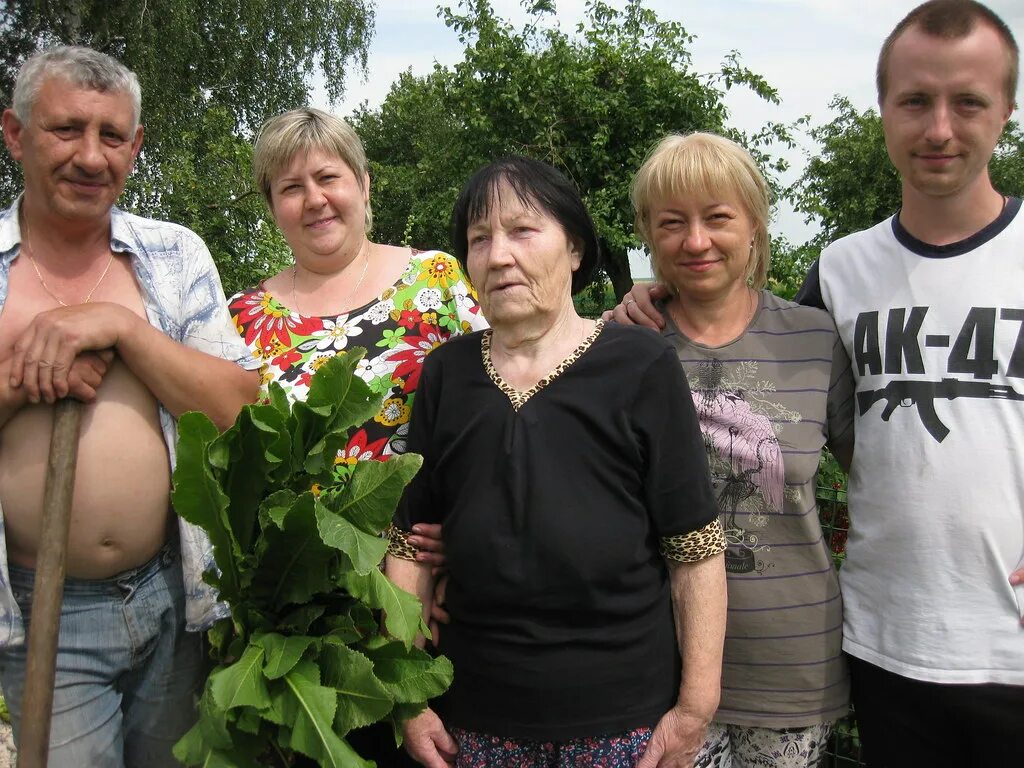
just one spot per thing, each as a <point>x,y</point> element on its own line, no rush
<point>640,265</point>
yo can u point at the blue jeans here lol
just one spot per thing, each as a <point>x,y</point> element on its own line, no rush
<point>128,675</point>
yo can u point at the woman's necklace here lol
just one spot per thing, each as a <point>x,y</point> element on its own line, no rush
<point>39,275</point>
<point>343,304</point>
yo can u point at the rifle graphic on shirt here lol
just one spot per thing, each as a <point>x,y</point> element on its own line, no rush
<point>923,395</point>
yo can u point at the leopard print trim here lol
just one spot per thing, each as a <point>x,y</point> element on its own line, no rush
<point>519,398</point>
<point>398,543</point>
<point>695,545</point>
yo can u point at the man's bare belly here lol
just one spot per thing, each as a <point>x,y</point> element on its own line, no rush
<point>121,509</point>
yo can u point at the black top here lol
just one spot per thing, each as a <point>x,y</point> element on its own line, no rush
<point>560,603</point>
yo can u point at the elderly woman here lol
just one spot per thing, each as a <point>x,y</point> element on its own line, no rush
<point>564,460</point>
<point>768,379</point>
<point>342,289</point>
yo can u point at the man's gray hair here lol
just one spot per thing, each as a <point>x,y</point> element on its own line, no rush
<point>82,67</point>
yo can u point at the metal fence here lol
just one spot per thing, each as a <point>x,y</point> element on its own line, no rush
<point>844,746</point>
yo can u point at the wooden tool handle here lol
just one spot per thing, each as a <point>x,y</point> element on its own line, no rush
<point>48,592</point>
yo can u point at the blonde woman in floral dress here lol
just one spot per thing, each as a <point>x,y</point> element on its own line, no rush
<point>344,290</point>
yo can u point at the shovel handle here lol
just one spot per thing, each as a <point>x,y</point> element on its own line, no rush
<point>48,591</point>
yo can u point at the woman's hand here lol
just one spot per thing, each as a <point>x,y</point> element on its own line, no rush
<point>676,740</point>
<point>637,307</point>
<point>438,614</point>
<point>427,540</point>
<point>427,741</point>
<point>1017,578</point>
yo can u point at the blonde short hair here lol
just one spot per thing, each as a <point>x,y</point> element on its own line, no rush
<point>305,130</point>
<point>712,165</point>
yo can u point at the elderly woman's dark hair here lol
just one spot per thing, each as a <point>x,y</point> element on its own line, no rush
<point>538,186</point>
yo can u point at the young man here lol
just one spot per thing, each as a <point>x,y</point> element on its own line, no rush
<point>128,315</point>
<point>929,306</point>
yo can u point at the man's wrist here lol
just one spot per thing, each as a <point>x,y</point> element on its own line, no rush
<point>129,329</point>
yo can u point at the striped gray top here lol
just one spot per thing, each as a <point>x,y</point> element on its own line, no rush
<point>763,403</point>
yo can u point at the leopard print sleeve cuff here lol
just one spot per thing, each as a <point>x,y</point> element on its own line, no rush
<point>398,543</point>
<point>695,545</point>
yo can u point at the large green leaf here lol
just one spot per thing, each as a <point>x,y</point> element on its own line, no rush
<point>370,497</point>
<point>399,715</point>
<point>402,611</point>
<point>364,550</point>
<point>337,400</point>
<point>241,684</point>
<point>213,721</point>
<point>362,698</point>
<point>259,442</point>
<point>250,721</point>
<point>358,623</point>
<point>319,426</point>
<point>191,749</point>
<point>199,499</point>
<point>310,708</point>
<point>410,675</point>
<point>282,653</point>
<point>275,507</point>
<point>301,619</point>
<point>299,547</point>
<point>294,564</point>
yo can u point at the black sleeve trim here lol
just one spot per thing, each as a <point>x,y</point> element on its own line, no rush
<point>810,292</point>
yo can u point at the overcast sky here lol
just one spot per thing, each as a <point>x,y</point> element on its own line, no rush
<point>810,50</point>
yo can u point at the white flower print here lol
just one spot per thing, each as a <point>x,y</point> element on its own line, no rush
<point>334,336</point>
<point>428,299</point>
<point>368,369</point>
<point>380,312</point>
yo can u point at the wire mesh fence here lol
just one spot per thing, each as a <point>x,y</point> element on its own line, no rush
<point>844,746</point>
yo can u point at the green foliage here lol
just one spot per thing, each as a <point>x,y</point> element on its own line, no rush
<point>852,185</point>
<point>591,104</point>
<point>1007,164</point>
<point>789,265</point>
<point>211,71</point>
<point>302,660</point>
<point>595,298</point>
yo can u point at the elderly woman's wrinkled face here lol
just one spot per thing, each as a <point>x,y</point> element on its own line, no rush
<point>320,206</point>
<point>701,244</point>
<point>520,260</point>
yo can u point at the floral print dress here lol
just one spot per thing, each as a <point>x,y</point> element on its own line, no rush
<point>431,302</point>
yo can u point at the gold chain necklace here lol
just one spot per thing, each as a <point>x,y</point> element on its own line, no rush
<point>343,304</point>
<point>39,275</point>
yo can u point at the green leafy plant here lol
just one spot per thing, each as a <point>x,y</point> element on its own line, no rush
<point>304,657</point>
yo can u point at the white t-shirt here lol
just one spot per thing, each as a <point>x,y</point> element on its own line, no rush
<point>937,485</point>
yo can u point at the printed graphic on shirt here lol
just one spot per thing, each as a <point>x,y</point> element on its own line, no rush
<point>739,423</point>
<point>973,352</point>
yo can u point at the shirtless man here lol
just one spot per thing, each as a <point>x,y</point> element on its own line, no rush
<point>126,314</point>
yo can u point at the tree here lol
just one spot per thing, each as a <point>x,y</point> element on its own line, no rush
<point>211,71</point>
<point>851,185</point>
<point>789,265</point>
<point>591,104</point>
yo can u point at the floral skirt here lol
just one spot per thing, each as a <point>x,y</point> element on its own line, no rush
<point>479,750</point>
